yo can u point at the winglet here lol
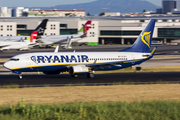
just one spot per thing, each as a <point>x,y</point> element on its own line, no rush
<point>152,53</point>
<point>154,50</point>
<point>57,48</point>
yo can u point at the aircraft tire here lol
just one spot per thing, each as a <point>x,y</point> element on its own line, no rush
<point>75,76</point>
<point>20,77</point>
<point>90,75</point>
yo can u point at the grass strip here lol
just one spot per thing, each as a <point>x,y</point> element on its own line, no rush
<point>115,93</point>
<point>138,110</point>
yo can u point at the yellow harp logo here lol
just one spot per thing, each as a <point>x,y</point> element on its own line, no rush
<point>146,38</point>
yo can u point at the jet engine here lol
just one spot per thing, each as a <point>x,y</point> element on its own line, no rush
<point>78,69</point>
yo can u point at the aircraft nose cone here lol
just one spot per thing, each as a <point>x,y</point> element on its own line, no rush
<point>7,65</point>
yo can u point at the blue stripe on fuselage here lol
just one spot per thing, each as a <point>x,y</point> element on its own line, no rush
<point>63,67</point>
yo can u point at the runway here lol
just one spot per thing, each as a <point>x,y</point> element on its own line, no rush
<point>104,79</point>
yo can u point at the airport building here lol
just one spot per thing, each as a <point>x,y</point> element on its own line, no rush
<point>107,30</point>
<point>55,12</point>
<point>5,12</point>
<point>169,7</point>
<point>172,6</point>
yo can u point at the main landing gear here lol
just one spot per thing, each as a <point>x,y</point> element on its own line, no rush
<point>20,76</point>
<point>89,75</point>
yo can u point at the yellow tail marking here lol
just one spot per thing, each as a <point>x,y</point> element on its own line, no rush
<point>146,38</point>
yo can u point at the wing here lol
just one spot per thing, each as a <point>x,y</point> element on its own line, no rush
<point>1,46</point>
<point>107,64</point>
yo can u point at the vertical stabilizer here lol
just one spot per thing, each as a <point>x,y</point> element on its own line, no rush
<point>41,27</point>
<point>84,29</point>
<point>32,37</point>
<point>143,42</point>
<point>87,27</point>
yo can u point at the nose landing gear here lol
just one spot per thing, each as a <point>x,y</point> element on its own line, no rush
<point>19,73</point>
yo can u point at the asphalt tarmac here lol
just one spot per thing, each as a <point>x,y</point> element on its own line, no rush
<point>108,78</point>
<point>161,50</point>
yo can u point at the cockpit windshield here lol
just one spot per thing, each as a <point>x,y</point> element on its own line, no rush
<point>14,59</point>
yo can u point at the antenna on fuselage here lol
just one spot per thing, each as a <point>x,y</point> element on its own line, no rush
<point>57,48</point>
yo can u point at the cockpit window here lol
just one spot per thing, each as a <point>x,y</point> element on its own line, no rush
<point>14,59</point>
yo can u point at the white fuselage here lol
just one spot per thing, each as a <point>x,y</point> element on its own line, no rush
<point>13,38</point>
<point>58,39</point>
<point>14,45</point>
<point>52,61</point>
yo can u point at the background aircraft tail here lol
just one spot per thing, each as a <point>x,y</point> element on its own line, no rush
<point>32,37</point>
<point>85,28</point>
<point>41,27</point>
<point>143,42</point>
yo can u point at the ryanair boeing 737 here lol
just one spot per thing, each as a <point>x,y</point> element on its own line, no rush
<point>86,63</point>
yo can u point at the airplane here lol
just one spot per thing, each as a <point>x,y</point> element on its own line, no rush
<point>23,45</point>
<point>65,39</point>
<point>85,63</point>
<point>40,28</point>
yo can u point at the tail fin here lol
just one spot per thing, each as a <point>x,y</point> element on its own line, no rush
<point>42,27</point>
<point>32,37</point>
<point>87,26</point>
<point>143,42</point>
<point>84,29</point>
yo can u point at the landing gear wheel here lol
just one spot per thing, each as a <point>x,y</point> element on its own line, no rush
<point>20,76</point>
<point>75,76</point>
<point>90,75</point>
